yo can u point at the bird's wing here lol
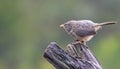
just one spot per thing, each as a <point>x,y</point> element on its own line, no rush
<point>84,30</point>
<point>85,33</point>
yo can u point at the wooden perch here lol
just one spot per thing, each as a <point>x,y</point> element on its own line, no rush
<point>77,56</point>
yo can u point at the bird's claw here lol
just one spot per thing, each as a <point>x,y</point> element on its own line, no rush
<point>79,42</point>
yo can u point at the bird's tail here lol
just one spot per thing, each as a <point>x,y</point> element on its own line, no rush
<point>107,23</point>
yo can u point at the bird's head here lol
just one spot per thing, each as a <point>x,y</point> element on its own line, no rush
<point>68,25</point>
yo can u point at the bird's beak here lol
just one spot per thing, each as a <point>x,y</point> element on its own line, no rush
<point>62,26</point>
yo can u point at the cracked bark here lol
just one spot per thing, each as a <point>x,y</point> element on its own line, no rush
<point>77,56</point>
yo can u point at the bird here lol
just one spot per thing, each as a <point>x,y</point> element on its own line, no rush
<point>83,30</point>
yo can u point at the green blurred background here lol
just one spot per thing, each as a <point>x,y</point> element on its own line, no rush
<point>28,26</point>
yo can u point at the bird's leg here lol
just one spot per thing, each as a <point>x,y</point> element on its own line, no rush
<point>79,41</point>
<point>83,42</point>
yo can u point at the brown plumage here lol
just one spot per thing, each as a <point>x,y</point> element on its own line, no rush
<point>83,30</point>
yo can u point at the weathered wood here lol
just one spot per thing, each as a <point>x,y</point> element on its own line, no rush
<point>82,51</point>
<point>77,56</point>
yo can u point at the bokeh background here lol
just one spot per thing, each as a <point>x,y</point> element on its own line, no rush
<point>28,26</point>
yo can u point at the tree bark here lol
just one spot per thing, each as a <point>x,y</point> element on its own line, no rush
<point>77,56</point>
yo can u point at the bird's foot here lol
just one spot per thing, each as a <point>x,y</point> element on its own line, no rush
<point>80,42</point>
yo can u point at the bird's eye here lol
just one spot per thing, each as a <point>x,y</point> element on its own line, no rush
<point>68,27</point>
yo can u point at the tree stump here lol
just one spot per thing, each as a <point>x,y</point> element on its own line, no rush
<point>77,56</point>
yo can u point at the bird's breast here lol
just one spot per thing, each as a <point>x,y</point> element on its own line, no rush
<point>86,38</point>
